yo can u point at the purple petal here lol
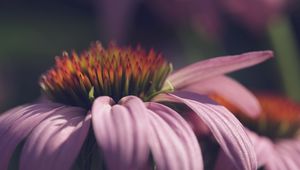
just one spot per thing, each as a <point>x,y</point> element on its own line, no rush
<point>263,148</point>
<point>16,124</point>
<point>277,162</point>
<point>200,129</point>
<point>55,143</point>
<point>120,131</point>
<point>226,129</point>
<point>274,163</point>
<point>277,155</point>
<point>223,162</point>
<point>287,160</point>
<point>289,151</point>
<point>216,66</point>
<point>173,143</point>
<point>273,156</point>
<point>230,90</point>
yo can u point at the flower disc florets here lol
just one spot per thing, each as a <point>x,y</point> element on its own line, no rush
<point>279,118</point>
<point>77,79</point>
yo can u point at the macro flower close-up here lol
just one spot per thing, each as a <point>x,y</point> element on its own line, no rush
<point>108,108</point>
<point>274,133</point>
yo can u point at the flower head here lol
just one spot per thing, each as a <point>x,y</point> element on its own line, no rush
<point>274,133</point>
<point>112,105</point>
<point>115,72</point>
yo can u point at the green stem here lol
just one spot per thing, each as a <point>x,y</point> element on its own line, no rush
<point>287,56</point>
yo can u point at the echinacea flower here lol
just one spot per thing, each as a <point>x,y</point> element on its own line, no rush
<point>275,133</point>
<point>108,105</point>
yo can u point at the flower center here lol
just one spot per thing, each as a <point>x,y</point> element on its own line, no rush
<point>116,72</point>
<point>280,117</point>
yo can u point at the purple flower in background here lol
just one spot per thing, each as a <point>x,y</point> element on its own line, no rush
<point>201,15</point>
<point>274,134</point>
<point>254,14</point>
<point>115,102</point>
<point>207,15</point>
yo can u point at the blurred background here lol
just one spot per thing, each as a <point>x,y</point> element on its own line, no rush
<point>33,32</point>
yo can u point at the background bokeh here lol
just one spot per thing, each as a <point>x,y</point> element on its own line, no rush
<point>33,32</point>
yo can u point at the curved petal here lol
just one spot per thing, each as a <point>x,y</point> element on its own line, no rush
<point>16,124</point>
<point>216,66</point>
<point>263,147</point>
<point>289,151</point>
<point>200,129</point>
<point>173,143</point>
<point>229,89</point>
<point>55,143</point>
<point>276,156</point>
<point>120,132</point>
<point>224,163</point>
<point>226,129</point>
<point>285,159</point>
<point>276,162</point>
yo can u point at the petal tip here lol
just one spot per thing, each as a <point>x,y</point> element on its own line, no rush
<point>268,53</point>
<point>265,53</point>
<point>103,99</point>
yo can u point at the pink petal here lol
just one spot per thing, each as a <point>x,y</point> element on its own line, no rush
<point>17,123</point>
<point>173,143</point>
<point>275,162</point>
<point>263,146</point>
<point>223,162</point>
<point>216,66</point>
<point>226,129</point>
<point>287,160</point>
<point>273,156</point>
<point>200,129</point>
<point>289,151</point>
<point>120,131</point>
<point>264,150</point>
<point>230,90</point>
<point>55,143</point>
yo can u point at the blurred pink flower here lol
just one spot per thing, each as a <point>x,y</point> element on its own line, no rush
<point>205,16</point>
<point>208,15</point>
<point>200,15</point>
<point>274,134</point>
<point>254,14</point>
<point>112,87</point>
